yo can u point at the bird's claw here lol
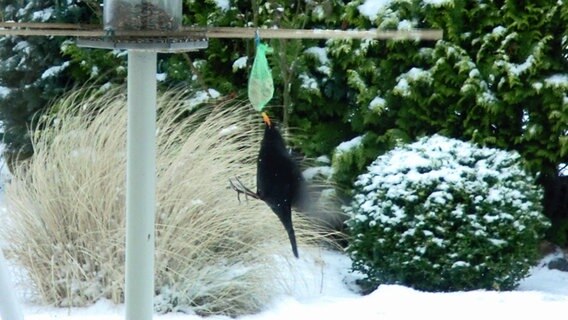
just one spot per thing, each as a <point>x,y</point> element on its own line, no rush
<point>239,187</point>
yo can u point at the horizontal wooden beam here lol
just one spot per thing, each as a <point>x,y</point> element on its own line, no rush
<point>94,31</point>
<point>47,25</point>
<point>52,32</point>
<point>220,32</point>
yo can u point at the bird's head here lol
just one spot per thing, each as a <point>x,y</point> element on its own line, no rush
<point>266,119</point>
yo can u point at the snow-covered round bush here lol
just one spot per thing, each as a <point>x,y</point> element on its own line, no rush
<point>444,215</point>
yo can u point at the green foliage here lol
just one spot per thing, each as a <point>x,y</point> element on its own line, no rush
<point>444,215</point>
<point>32,69</point>
<point>349,156</point>
<point>95,65</point>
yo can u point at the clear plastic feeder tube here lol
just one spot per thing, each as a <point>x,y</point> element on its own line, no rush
<point>134,15</point>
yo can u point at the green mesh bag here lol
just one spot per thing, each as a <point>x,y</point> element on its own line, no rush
<point>260,85</point>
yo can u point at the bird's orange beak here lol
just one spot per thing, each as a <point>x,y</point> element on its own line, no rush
<point>266,119</point>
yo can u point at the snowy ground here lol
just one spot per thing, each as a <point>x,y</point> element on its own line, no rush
<point>323,293</point>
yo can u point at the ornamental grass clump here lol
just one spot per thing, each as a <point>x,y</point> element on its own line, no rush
<point>66,208</point>
<point>445,215</point>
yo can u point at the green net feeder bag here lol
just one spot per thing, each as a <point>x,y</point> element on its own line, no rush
<point>260,85</point>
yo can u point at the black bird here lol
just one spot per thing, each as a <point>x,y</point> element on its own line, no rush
<point>279,181</point>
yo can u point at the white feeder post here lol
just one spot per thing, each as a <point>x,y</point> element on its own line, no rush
<point>141,185</point>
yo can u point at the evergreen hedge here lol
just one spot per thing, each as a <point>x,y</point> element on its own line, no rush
<point>498,77</point>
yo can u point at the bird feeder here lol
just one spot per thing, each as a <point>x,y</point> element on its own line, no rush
<point>153,25</point>
<point>137,15</point>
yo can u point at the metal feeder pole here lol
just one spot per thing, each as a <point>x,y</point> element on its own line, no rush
<point>140,184</point>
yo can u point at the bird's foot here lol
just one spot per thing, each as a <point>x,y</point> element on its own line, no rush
<point>239,187</point>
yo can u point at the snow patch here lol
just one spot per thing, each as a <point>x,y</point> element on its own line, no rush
<point>202,97</point>
<point>486,98</point>
<point>4,92</point>
<point>42,15</point>
<point>377,104</point>
<point>224,5</point>
<point>323,159</point>
<point>197,202</point>
<point>518,69</point>
<point>416,74</point>
<point>229,130</point>
<point>497,242</point>
<point>402,87</point>
<point>95,71</point>
<point>405,25</point>
<point>460,264</point>
<point>499,31</point>
<point>240,63</point>
<point>54,71</point>
<point>413,75</point>
<point>347,146</point>
<point>319,53</point>
<point>105,87</point>
<point>23,46</point>
<point>537,86</point>
<point>562,169</point>
<point>308,82</point>
<point>372,8</point>
<point>311,173</point>
<point>557,81</point>
<point>438,3</point>
<point>318,13</point>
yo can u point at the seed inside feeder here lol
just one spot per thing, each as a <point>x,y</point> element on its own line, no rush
<point>140,16</point>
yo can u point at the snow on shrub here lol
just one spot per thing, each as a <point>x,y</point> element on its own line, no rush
<point>445,215</point>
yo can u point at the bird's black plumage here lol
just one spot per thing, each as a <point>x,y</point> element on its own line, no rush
<point>279,180</point>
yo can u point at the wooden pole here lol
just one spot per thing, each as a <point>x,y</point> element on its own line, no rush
<point>48,29</point>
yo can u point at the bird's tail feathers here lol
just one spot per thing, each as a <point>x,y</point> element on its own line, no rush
<point>286,220</point>
<point>292,237</point>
